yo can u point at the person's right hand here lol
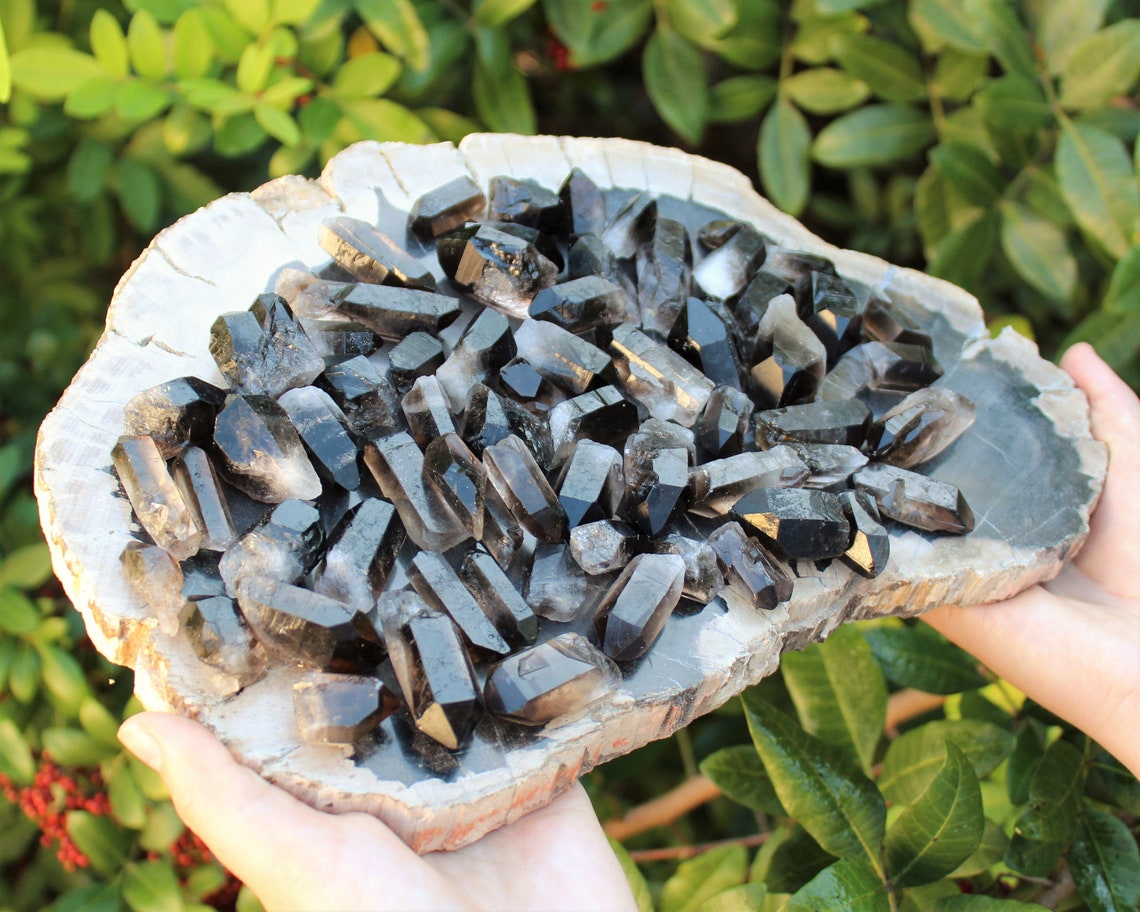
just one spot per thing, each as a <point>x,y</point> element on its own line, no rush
<point>1073,644</point>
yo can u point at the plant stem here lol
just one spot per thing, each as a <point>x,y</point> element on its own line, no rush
<point>671,853</point>
<point>690,794</point>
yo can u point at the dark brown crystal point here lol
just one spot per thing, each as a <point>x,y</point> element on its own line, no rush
<point>341,709</point>
<point>502,269</point>
<point>501,601</point>
<point>220,637</point>
<point>446,207</point>
<point>520,482</point>
<point>725,272</point>
<point>194,474</point>
<point>921,426</point>
<point>427,411</point>
<point>870,547</point>
<point>603,546</point>
<point>485,346</point>
<point>704,338</point>
<point>432,667</point>
<point>664,276</point>
<point>364,394</point>
<point>440,586</point>
<point>174,414</point>
<point>337,339</point>
<point>915,500</point>
<point>395,312</point>
<point>789,360</point>
<point>299,625</point>
<point>565,359</point>
<point>370,255</point>
<point>717,485</point>
<point>632,225</point>
<point>703,576</point>
<point>362,550</point>
<point>158,579</point>
<point>725,422</point>
<point>591,485</point>
<point>527,203</point>
<point>557,588</point>
<point>585,206</point>
<point>750,572</point>
<point>553,679</point>
<point>796,523</point>
<point>458,478</point>
<point>602,415</point>
<point>634,610</point>
<point>580,305</point>
<point>489,418</point>
<point>657,377</point>
<point>417,355</point>
<point>846,422</point>
<point>284,545</point>
<point>830,464</point>
<point>324,431</point>
<point>158,503</point>
<point>286,357</point>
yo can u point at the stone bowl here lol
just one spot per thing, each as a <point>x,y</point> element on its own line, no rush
<point>1028,467</point>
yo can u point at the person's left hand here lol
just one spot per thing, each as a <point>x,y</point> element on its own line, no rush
<point>296,858</point>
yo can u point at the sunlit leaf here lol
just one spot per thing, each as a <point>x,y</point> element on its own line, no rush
<point>849,885</point>
<point>674,73</point>
<point>366,76</point>
<point>146,45</point>
<point>703,877</point>
<point>99,838</point>
<point>50,72</point>
<point>826,90</point>
<point>996,24</point>
<point>1099,184</point>
<point>782,154</point>
<point>495,13</point>
<point>919,657</point>
<point>109,44</point>
<point>892,72</point>
<point>1051,817</point>
<point>1039,252</point>
<point>874,135</point>
<point>913,759</point>
<point>397,25</point>
<point>152,887</point>
<point>740,774</point>
<point>1103,66</point>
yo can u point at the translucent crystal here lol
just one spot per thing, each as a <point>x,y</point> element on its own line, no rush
<point>324,431</point>
<point>489,418</point>
<point>602,415</point>
<point>749,571</point>
<point>362,550</point>
<point>485,346</point>
<point>446,207</point>
<point>728,269</point>
<point>557,589</point>
<point>890,366</point>
<point>656,480</point>
<point>664,275</point>
<point>915,500</point>
<point>417,355</point>
<point>284,545</point>
<point>846,422</point>
<point>656,376</point>
<point>526,202</point>
<point>174,414</point>
<point>309,296</point>
<point>364,394</point>
<point>796,523</point>
<point>703,576</point>
<point>427,411</point>
<point>503,270</point>
<point>565,359</point>
<point>789,360</point>
<point>526,386</point>
<point>458,478</point>
<point>602,546</point>
<point>440,586</point>
<point>716,485</point>
<point>520,482</point>
<point>370,255</point>
<point>158,503</point>
<point>725,422</point>
<point>717,233</point>
<point>264,351</point>
<point>580,305</point>
<point>222,639</point>
<point>200,577</point>
<point>704,339</point>
<point>870,547</point>
<point>591,485</point>
<point>830,464</point>
<point>339,339</point>
<point>921,426</point>
<point>589,255</point>
<point>634,610</point>
<point>392,312</point>
<point>631,226</point>
<point>884,322</point>
<point>585,206</point>
<point>157,578</point>
<point>498,597</point>
<point>341,709</point>
<point>194,474</point>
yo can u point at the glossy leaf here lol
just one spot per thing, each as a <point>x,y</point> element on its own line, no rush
<point>874,135</point>
<point>152,887</point>
<point>818,784</point>
<point>63,676</point>
<point>495,13</point>
<point>744,898</point>
<point>251,15</point>
<point>1039,252</point>
<point>674,73</point>
<point>996,23</point>
<point>1099,184</point>
<point>381,119</point>
<point>920,658</point>
<point>277,123</point>
<point>146,45</point>
<point>24,674</point>
<point>703,877</point>
<point>839,692</point>
<point>789,859</point>
<point>293,12</point>
<point>989,852</point>
<point>50,72</point>
<point>16,760</point>
<point>962,903</point>
<point>1014,103</point>
<point>948,22</point>
<point>139,100</point>
<point>1050,819</point>
<point>914,758</point>
<point>103,842</point>
<point>109,44</point>
<point>1103,66</point>
<point>642,898</point>
<point>957,74</point>
<point>701,21</point>
<point>596,35</point>
<point>940,829</point>
<point>397,25</point>
<point>229,38</point>
<point>826,90</point>
<point>254,67</point>
<point>740,98</point>
<point>72,747</point>
<point>849,885</point>
<point>740,774</point>
<point>892,72</point>
<point>782,154</point>
<point>1105,863</point>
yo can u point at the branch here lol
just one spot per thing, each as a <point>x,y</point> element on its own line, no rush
<point>904,705</point>
<point>688,851</point>
<point>690,794</point>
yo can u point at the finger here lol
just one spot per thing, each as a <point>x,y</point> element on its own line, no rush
<point>1115,418</point>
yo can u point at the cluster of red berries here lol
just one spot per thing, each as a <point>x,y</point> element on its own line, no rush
<point>47,801</point>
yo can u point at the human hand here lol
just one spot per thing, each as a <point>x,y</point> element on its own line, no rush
<point>1073,644</point>
<point>296,858</point>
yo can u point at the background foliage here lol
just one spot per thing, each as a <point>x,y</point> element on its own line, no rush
<point>992,142</point>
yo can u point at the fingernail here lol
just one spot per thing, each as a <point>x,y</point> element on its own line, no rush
<point>141,743</point>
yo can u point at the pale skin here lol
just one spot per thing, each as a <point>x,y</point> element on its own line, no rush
<point>1072,644</point>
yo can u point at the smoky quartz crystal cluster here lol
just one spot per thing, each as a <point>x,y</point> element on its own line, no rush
<point>489,493</point>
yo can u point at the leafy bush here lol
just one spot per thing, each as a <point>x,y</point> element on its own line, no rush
<point>993,142</point>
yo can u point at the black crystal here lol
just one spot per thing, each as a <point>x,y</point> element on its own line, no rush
<point>634,610</point>
<point>175,414</point>
<point>796,523</point>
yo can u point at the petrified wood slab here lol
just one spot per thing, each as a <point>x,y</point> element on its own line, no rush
<point>1028,467</point>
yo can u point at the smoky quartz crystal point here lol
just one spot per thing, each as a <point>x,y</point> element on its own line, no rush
<point>659,378</point>
<point>591,484</point>
<point>175,414</point>
<point>725,422</point>
<point>525,202</point>
<point>796,523</point>
<point>870,546</point>
<point>502,269</point>
<point>557,588</point>
<point>520,482</point>
<point>458,478</point>
<point>364,394</point>
<point>847,423</point>
<point>916,500</point>
<point>341,709</point>
<point>921,426</point>
<point>284,545</point>
<point>580,305</point>
<point>750,572</point>
<point>634,610</point>
<point>717,485</point>
<point>222,639</point>
<point>158,579</point>
<point>324,430</point>
<point>602,415</point>
<point>361,553</point>
<point>194,475</point>
<point>440,586</point>
<point>446,208</point>
<point>603,546</point>
<point>370,255</point>
<point>418,354</point>
<point>726,271</point>
<point>394,312</point>
<point>157,501</point>
<point>499,598</point>
<point>569,361</point>
<point>585,206</point>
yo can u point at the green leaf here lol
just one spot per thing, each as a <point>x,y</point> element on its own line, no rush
<point>826,90</point>
<point>1103,66</point>
<point>127,802</point>
<point>701,21</point>
<point>138,101</point>
<point>17,612</point>
<point>16,760</point>
<point>941,829</point>
<point>739,773</point>
<point>642,898</point>
<point>285,92</point>
<point>495,13</point>
<point>814,39</point>
<point>398,27</point>
<point>139,193</point>
<point>874,135</point>
<point>948,22</point>
<point>744,898</point>
<point>1099,184</point>
<point>229,38</point>
<point>99,897</point>
<point>100,839</point>
<point>27,567</point>
<point>5,68</point>
<point>782,155</point>
<point>919,657</point>
<point>983,904</point>
<point>277,123</point>
<point>502,99</point>
<point>72,747</point>
<point>788,860</point>
<point>597,35</point>
<point>818,784</point>
<point>50,72</point>
<point>109,44</point>
<point>995,22</point>
<point>1050,819</point>
<point>892,72</point>
<point>382,120</point>
<point>214,96</point>
<point>964,254</point>
<point>24,675</point>
<point>163,826</point>
<point>63,677</point>
<point>152,887</point>
<point>251,15</point>
<point>990,851</point>
<point>98,722</point>
<point>247,902</point>
<point>674,74</point>
<point>1123,294</point>
<point>754,42</point>
<point>165,11</point>
<point>1014,104</point>
<point>849,885</point>
<point>92,99</point>
<point>1105,863</point>
<point>366,75</point>
<point>913,759</point>
<point>699,879</point>
<point>146,45</point>
<point>740,98</point>
<point>970,171</point>
<point>1113,783</point>
<point>1116,337</point>
<point>1062,25</point>
<point>293,12</point>
<point>254,68</point>
<point>1037,249</point>
<point>839,692</point>
<point>957,74</point>
<point>1028,750</point>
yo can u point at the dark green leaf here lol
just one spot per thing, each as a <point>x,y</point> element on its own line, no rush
<point>146,45</point>
<point>789,859</point>
<point>919,657</point>
<point>995,22</point>
<point>782,154</point>
<point>594,35</point>
<point>127,803</point>
<point>990,851</point>
<point>318,119</point>
<point>16,760</point>
<point>874,135</point>
<point>1115,336</point>
<point>703,877</point>
<point>1103,66</point>
<point>1050,819</point>
<point>740,98</point>
<point>641,895</point>
<point>755,41</point>
<point>1114,783</point>
<point>701,21</point>
<point>983,904</point>
<point>139,193</point>
<point>495,13</point>
<point>892,72</point>
<point>964,254</point>
<point>109,44</point>
<point>1039,252</point>
<point>1015,104</point>
<point>970,171</point>
<point>137,100</point>
<point>398,27</point>
<point>826,90</point>
<point>839,692</point>
<point>819,785</point>
<point>739,773</point>
<point>1105,863</point>
<point>948,21</point>
<point>100,897</point>
<point>63,677</point>
<point>913,759</point>
<point>849,885</point>
<point>24,675</point>
<point>50,72</point>
<point>1099,184</point>
<point>72,747</point>
<point>674,75</point>
<point>152,887</point>
<point>941,829</point>
<point>100,839</point>
<point>502,99</point>
<point>17,612</point>
<point>366,75</point>
<point>1028,750</point>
